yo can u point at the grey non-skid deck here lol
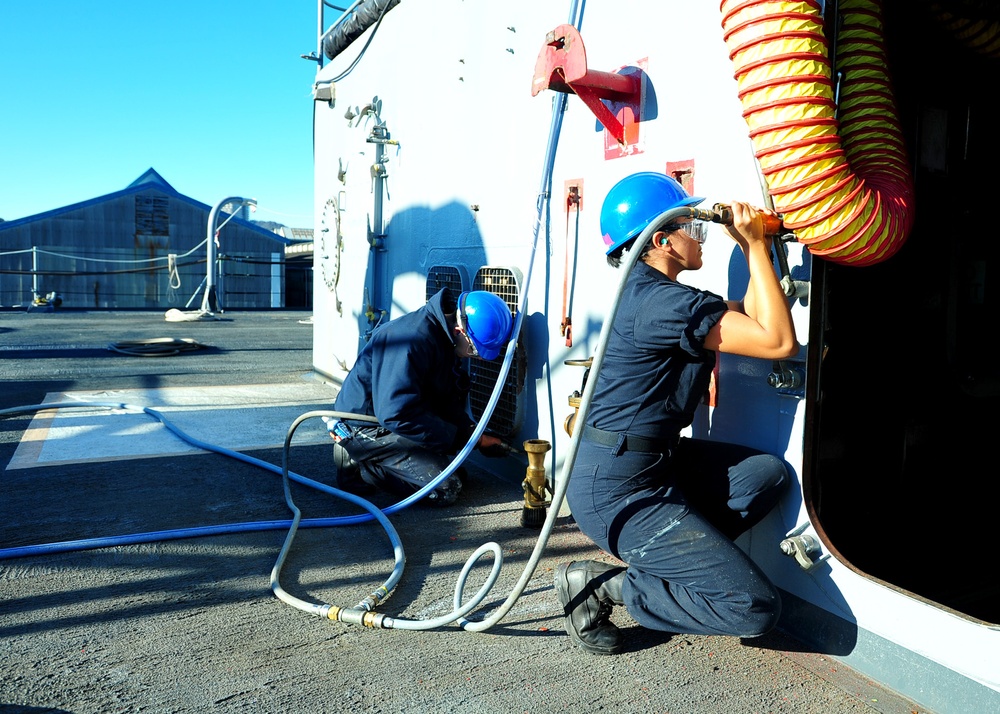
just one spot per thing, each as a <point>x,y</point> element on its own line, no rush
<point>164,624</point>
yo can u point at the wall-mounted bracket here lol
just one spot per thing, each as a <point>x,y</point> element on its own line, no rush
<point>805,548</point>
<point>562,67</point>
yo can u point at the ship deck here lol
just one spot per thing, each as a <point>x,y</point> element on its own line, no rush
<point>164,619</point>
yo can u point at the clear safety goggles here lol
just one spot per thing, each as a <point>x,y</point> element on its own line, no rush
<point>696,230</point>
<point>472,351</point>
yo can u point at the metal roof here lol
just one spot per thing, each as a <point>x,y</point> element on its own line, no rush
<point>150,179</point>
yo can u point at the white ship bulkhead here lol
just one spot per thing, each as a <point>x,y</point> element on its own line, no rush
<point>459,179</point>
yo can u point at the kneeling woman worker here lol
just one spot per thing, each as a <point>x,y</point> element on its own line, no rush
<point>669,508</point>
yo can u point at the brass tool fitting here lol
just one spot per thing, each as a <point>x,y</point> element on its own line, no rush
<point>535,484</point>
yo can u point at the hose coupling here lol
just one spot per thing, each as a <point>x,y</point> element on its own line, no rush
<point>353,616</point>
<point>535,484</point>
<point>722,213</point>
<point>786,378</point>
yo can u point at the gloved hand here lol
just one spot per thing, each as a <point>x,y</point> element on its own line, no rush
<point>493,448</point>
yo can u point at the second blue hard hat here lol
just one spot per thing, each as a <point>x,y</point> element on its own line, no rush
<point>488,321</point>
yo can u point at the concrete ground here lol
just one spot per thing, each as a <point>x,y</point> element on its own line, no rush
<point>153,622</point>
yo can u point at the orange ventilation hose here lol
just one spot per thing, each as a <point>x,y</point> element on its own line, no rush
<point>847,197</point>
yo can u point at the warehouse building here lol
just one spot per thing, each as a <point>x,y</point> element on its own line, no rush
<point>146,247</point>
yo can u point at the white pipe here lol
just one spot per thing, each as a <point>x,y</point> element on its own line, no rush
<point>208,301</point>
<point>34,273</point>
<point>563,483</point>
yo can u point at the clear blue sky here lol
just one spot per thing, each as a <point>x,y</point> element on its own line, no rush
<point>212,94</point>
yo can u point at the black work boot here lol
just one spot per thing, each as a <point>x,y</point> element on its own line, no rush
<point>587,590</point>
<point>349,473</point>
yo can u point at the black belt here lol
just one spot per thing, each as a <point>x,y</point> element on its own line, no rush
<point>629,442</point>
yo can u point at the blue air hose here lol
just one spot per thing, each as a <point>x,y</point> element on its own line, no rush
<point>321,610</point>
<point>201,531</point>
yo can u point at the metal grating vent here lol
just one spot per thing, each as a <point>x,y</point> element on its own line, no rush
<point>506,419</point>
<point>444,276</point>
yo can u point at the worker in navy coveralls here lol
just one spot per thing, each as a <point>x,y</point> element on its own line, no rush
<point>669,508</point>
<point>410,376</point>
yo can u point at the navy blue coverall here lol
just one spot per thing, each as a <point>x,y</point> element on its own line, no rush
<point>670,507</point>
<point>409,377</point>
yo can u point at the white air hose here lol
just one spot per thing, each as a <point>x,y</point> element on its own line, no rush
<point>574,445</point>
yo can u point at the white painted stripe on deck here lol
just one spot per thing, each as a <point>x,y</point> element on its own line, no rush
<point>239,418</point>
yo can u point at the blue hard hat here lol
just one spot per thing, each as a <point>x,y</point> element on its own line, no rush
<point>635,201</point>
<point>487,321</point>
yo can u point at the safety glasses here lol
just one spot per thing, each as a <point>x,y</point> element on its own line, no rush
<point>473,352</point>
<point>696,230</point>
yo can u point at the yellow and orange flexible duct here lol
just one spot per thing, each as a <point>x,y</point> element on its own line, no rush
<point>849,195</point>
<point>970,23</point>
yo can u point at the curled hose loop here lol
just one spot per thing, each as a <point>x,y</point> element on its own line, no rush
<point>847,197</point>
<point>460,611</point>
<point>324,610</point>
<point>157,347</point>
<point>369,603</point>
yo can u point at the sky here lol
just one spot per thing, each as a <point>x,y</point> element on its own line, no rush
<point>213,95</point>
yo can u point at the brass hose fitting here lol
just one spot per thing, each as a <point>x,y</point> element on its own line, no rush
<point>536,488</point>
